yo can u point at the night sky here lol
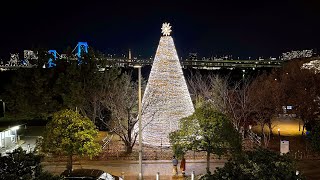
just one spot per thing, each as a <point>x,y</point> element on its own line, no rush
<point>238,28</point>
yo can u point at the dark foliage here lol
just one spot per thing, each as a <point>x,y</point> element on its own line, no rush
<point>260,164</point>
<point>22,165</point>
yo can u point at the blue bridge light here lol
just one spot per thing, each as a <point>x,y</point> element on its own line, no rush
<point>51,62</point>
<point>82,46</point>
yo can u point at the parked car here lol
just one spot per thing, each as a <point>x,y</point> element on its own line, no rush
<point>88,174</point>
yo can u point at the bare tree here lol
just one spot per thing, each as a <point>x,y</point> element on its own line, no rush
<point>122,101</point>
<point>264,96</point>
<point>217,91</point>
<point>98,88</point>
<point>199,87</point>
<point>210,88</point>
<point>301,89</point>
<point>239,106</point>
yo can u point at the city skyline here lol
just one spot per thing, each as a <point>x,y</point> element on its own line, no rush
<point>222,28</point>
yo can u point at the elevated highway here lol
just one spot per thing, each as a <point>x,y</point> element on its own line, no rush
<point>196,64</point>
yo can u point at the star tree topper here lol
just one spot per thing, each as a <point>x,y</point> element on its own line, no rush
<point>166,29</point>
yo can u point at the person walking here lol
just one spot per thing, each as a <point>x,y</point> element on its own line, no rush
<point>183,166</point>
<point>175,164</point>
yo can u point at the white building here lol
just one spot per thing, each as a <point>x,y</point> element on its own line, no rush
<point>9,137</point>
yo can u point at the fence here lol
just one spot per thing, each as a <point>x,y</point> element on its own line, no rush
<point>106,141</point>
<point>254,137</point>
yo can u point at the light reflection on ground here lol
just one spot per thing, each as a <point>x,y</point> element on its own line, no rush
<point>287,127</point>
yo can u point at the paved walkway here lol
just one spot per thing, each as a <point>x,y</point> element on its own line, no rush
<point>130,168</point>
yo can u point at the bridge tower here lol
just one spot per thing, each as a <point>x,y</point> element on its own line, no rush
<point>82,46</point>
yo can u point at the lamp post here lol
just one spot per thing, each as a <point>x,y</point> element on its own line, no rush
<point>140,125</point>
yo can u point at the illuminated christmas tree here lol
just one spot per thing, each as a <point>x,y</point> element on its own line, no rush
<point>166,99</point>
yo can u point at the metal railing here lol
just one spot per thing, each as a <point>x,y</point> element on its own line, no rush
<point>254,137</point>
<point>106,141</point>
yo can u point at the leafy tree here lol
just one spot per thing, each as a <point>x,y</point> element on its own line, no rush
<point>38,92</point>
<point>30,94</point>
<point>84,86</point>
<point>206,130</point>
<point>22,165</point>
<point>71,134</point>
<point>314,136</point>
<point>68,88</point>
<point>261,164</point>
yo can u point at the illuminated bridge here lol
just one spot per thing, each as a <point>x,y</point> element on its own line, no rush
<point>82,47</point>
<point>205,63</point>
<point>196,64</point>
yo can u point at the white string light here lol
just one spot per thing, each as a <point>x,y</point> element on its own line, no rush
<point>312,65</point>
<point>166,99</point>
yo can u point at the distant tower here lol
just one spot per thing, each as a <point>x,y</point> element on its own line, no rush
<point>166,99</point>
<point>129,55</point>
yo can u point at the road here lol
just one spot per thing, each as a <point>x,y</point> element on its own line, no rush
<point>130,168</point>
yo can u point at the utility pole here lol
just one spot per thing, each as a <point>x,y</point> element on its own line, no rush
<point>140,124</point>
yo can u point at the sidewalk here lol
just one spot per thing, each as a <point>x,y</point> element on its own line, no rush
<point>130,169</point>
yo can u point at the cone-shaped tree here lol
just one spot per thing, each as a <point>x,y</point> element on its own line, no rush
<point>166,99</point>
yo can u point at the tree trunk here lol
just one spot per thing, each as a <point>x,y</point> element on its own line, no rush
<point>129,140</point>
<point>69,163</point>
<point>264,135</point>
<point>208,162</point>
<point>128,148</point>
<point>270,128</point>
<point>303,129</point>
<point>94,110</point>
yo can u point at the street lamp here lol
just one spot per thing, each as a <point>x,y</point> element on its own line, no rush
<point>243,71</point>
<point>140,125</point>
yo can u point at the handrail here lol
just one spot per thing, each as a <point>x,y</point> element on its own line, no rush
<point>106,141</point>
<point>254,137</point>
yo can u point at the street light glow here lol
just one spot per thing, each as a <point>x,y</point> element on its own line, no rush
<point>14,128</point>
